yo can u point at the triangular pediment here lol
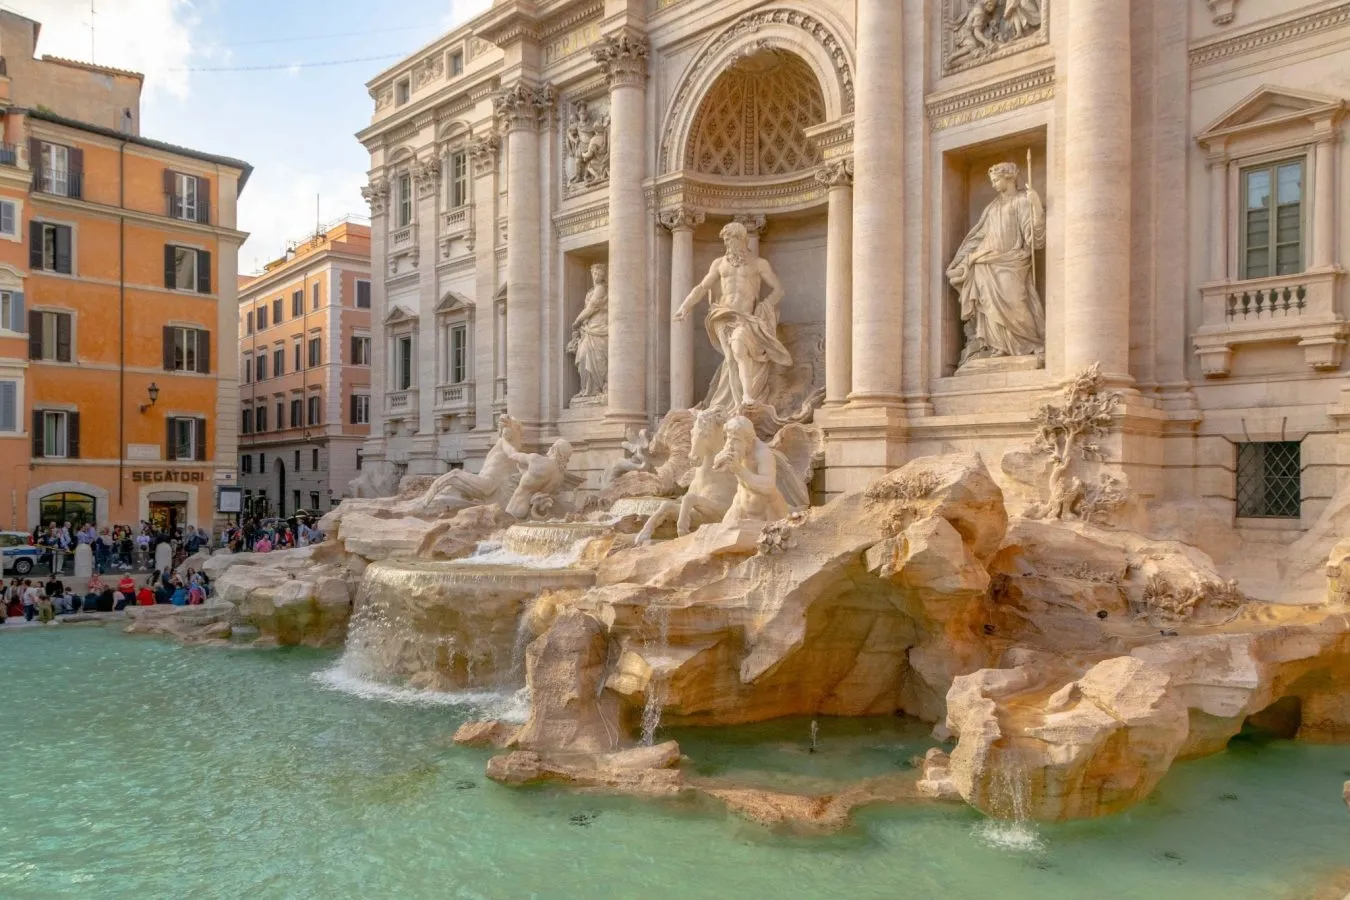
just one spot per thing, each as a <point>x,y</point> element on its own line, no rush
<point>398,314</point>
<point>1271,106</point>
<point>453,303</point>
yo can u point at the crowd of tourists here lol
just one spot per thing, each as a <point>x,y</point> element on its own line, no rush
<point>34,599</point>
<point>266,535</point>
<point>120,547</point>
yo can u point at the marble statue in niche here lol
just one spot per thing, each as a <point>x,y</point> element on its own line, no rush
<point>590,341</point>
<point>587,146</point>
<point>985,28</point>
<point>994,273</point>
<point>742,327</point>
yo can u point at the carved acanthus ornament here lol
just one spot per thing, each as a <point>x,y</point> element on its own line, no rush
<point>483,152</point>
<point>524,106</point>
<point>755,223</point>
<point>623,59</point>
<point>682,218</point>
<point>427,176</point>
<point>377,195</point>
<point>978,31</point>
<point>836,174</point>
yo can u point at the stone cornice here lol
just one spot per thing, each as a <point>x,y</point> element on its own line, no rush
<point>1025,89</point>
<point>799,191</point>
<point>1219,49</point>
<point>423,112</point>
<point>39,201</point>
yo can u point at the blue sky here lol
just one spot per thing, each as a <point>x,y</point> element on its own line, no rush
<point>294,124</point>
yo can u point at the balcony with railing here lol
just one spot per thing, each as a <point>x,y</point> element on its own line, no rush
<point>68,184</point>
<point>403,246</point>
<point>455,399</point>
<point>196,209</point>
<point>400,404</point>
<point>1299,309</point>
<point>9,155</point>
<point>457,221</point>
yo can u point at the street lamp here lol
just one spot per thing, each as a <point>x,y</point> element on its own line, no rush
<point>153,392</point>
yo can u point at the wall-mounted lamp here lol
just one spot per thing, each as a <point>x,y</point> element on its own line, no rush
<point>153,392</point>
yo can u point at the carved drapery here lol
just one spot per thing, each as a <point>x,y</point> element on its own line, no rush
<point>979,31</point>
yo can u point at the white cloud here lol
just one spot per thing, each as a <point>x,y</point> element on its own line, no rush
<point>278,207</point>
<point>158,38</point>
<point>461,11</point>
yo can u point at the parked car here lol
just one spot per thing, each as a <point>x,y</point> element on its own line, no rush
<point>19,555</point>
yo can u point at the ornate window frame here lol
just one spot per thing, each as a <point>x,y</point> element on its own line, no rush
<point>1269,125</point>
<point>454,397</point>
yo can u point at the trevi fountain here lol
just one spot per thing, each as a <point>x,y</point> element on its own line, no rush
<point>851,504</point>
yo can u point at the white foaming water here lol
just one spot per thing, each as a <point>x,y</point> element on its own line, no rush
<point>1015,837</point>
<point>651,711</point>
<point>508,706</point>
<point>494,553</point>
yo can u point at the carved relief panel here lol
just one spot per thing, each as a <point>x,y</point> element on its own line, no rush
<point>586,144</point>
<point>975,32</point>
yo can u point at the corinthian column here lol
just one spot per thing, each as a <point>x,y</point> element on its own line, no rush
<point>879,211</point>
<point>681,223</point>
<point>838,177</point>
<point>623,57</point>
<point>1324,202</point>
<point>1097,189</point>
<point>520,107</point>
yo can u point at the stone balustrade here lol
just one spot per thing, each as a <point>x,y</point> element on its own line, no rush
<point>455,399</point>
<point>1297,309</point>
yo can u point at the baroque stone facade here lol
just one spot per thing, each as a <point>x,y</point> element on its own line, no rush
<point>1163,210</point>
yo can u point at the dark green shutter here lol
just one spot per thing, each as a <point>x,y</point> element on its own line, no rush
<point>200,426</point>
<point>203,272</point>
<point>170,270</point>
<point>204,352</point>
<point>62,337</point>
<point>73,435</point>
<point>35,335</point>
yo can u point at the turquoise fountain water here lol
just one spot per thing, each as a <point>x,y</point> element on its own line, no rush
<point>137,768</point>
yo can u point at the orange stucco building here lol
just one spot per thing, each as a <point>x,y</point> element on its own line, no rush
<point>304,363</point>
<point>118,299</point>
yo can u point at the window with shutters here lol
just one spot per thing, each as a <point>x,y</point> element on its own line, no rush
<point>260,419</point>
<point>315,411</point>
<point>281,414</point>
<point>315,351</point>
<point>186,350</point>
<point>299,354</point>
<point>262,470</point>
<point>297,411</point>
<point>278,362</point>
<point>1272,223</point>
<point>314,459</point>
<point>363,295</point>
<point>185,197</point>
<point>262,317</point>
<point>58,170</point>
<point>297,304</point>
<point>296,464</point>
<point>9,406</point>
<point>276,311</point>
<point>185,272</point>
<point>313,500</point>
<point>248,370</point>
<point>7,319</point>
<point>246,418</point>
<point>314,296</point>
<point>248,322</point>
<point>183,439</point>
<point>246,464</point>
<point>9,219</point>
<point>260,366</point>
<point>360,410</point>
<point>360,351</point>
<point>54,434</point>
<point>49,336</point>
<point>50,248</point>
<point>459,179</point>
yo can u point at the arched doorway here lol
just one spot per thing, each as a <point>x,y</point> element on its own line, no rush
<point>68,506</point>
<point>280,468</point>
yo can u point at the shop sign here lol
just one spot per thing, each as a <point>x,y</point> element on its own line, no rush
<point>168,475</point>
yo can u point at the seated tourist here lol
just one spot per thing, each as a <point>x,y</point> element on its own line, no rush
<point>145,596</point>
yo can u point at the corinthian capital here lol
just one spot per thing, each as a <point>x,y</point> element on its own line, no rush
<point>836,174</point>
<point>623,58</point>
<point>755,223</point>
<point>682,218</point>
<point>483,152</point>
<point>523,105</point>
